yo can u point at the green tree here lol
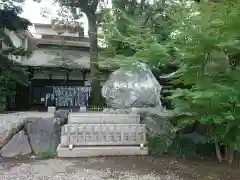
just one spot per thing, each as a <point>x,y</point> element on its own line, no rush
<point>207,38</point>
<point>133,30</point>
<point>10,72</point>
<point>89,7</point>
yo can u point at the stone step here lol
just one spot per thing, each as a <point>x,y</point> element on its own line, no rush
<point>103,134</point>
<point>93,151</point>
<point>102,118</point>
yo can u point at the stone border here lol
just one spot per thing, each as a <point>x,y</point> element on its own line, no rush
<point>94,151</point>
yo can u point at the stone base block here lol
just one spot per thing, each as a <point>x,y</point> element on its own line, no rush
<point>83,109</point>
<point>102,118</point>
<point>94,151</point>
<point>51,109</point>
<point>103,134</point>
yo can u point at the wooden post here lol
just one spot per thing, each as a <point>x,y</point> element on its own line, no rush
<point>31,70</point>
<point>67,82</point>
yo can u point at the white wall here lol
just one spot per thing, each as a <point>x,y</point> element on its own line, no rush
<point>53,57</point>
<point>18,42</point>
<point>50,31</point>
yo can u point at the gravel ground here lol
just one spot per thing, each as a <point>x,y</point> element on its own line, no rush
<point>116,168</point>
<point>57,169</point>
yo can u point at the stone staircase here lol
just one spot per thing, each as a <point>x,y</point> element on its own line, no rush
<point>100,134</point>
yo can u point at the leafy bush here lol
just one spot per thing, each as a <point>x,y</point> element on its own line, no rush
<point>206,150</point>
<point>183,148</point>
<point>158,145</point>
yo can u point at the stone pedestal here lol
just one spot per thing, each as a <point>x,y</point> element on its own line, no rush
<point>83,109</point>
<point>51,109</point>
<point>102,118</point>
<point>93,151</point>
<point>100,134</point>
<point>103,134</point>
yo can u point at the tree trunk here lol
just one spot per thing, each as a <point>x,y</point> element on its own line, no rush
<point>228,156</point>
<point>95,74</point>
<point>218,152</point>
<point>231,156</point>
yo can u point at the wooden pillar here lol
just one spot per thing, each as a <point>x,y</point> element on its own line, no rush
<point>50,75</point>
<point>68,72</point>
<point>84,76</point>
<point>30,77</point>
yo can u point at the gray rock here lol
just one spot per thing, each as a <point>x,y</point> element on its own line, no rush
<point>8,121</point>
<point>156,120</point>
<point>18,145</point>
<point>44,134</point>
<point>62,114</point>
<point>195,137</point>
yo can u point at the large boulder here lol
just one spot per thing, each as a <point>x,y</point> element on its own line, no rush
<point>157,123</point>
<point>62,114</point>
<point>132,87</point>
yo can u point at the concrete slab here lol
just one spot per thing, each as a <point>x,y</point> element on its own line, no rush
<point>94,151</point>
<point>103,134</point>
<point>102,118</point>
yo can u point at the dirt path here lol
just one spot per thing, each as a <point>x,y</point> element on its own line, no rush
<point>115,168</point>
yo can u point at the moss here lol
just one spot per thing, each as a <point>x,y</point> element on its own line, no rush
<point>46,155</point>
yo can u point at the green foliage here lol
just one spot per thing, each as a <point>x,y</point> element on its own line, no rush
<point>205,150</point>
<point>10,72</point>
<point>132,31</point>
<point>140,31</point>
<point>89,8</point>
<point>10,20</point>
<point>157,145</point>
<point>203,39</point>
<point>207,40</point>
<point>183,148</point>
